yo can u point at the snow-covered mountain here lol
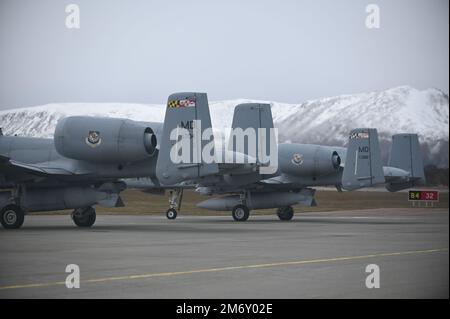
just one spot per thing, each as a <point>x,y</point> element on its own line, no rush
<point>322,121</point>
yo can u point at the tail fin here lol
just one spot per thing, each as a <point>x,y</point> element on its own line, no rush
<point>363,167</point>
<point>253,115</point>
<point>180,157</point>
<point>405,155</point>
<point>257,117</point>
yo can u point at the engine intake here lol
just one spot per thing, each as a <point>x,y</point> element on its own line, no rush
<point>109,140</point>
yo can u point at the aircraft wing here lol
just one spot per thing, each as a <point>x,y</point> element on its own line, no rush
<point>44,168</point>
<point>276,180</point>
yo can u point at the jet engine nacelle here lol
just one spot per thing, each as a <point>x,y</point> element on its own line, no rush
<point>308,159</point>
<point>110,140</point>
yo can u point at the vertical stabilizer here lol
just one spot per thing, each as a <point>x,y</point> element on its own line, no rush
<point>180,158</point>
<point>363,167</point>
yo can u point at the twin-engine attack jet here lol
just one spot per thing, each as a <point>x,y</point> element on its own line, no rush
<point>80,167</point>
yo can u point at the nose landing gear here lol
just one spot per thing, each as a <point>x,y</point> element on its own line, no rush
<point>175,199</point>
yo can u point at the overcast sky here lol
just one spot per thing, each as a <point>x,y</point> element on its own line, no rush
<point>287,51</point>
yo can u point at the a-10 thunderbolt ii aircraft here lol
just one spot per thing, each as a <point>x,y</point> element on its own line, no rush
<point>303,166</point>
<point>80,167</point>
<point>299,166</point>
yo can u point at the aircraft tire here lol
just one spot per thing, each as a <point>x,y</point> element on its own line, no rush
<point>240,213</point>
<point>12,216</point>
<point>86,219</point>
<point>171,213</point>
<point>285,213</point>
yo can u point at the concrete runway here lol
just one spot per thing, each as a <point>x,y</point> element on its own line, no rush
<point>316,255</point>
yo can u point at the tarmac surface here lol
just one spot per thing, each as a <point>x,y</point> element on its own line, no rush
<point>316,255</point>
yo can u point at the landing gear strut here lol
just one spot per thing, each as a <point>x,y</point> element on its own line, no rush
<point>241,212</point>
<point>285,213</point>
<point>12,216</point>
<point>84,217</point>
<point>175,199</point>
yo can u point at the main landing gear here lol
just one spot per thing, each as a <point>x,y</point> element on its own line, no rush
<point>84,217</point>
<point>285,213</point>
<point>175,199</point>
<point>241,212</point>
<point>12,216</point>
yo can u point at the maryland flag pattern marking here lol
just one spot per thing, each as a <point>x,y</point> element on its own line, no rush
<point>359,135</point>
<point>190,102</point>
